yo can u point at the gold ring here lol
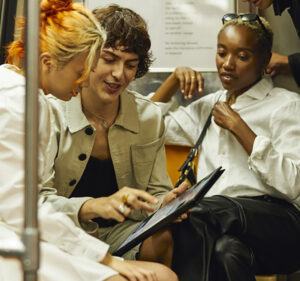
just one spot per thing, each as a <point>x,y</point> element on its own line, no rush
<point>193,77</point>
<point>125,198</point>
<point>122,208</point>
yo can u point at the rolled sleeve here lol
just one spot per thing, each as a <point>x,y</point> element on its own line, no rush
<point>276,160</point>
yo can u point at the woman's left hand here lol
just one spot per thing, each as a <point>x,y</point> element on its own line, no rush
<point>173,194</point>
<point>189,80</point>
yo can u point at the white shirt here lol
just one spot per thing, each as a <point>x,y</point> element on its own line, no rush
<point>273,167</point>
<point>56,228</point>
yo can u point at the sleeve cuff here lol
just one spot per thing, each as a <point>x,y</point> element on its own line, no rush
<point>258,151</point>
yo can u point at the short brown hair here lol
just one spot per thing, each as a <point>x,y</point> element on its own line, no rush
<point>126,28</point>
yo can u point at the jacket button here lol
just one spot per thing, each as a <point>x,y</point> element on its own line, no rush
<point>72,182</point>
<point>89,131</point>
<point>82,157</point>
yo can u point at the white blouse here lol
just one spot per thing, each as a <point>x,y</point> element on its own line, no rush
<point>273,167</point>
<point>62,240</point>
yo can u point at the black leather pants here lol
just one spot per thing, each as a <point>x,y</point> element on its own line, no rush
<point>235,238</point>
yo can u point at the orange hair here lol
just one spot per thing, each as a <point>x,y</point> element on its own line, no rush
<point>66,29</point>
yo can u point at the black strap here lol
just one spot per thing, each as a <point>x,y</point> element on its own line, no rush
<point>193,151</point>
<point>203,132</point>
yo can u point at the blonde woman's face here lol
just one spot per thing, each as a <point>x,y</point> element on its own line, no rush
<point>59,81</point>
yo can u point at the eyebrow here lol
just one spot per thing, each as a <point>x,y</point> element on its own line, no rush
<point>116,56</point>
<point>239,49</point>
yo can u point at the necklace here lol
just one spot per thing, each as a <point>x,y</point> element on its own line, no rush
<point>231,99</point>
<point>104,123</point>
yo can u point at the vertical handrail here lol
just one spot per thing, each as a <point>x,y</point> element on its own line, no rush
<point>2,10</point>
<point>30,233</point>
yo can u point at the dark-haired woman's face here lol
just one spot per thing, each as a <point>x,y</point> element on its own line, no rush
<point>115,69</point>
<point>238,62</point>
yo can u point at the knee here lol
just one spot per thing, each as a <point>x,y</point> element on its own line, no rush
<point>229,249</point>
<point>164,239</point>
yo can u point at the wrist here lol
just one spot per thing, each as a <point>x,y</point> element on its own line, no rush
<point>107,260</point>
<point>86,212</point>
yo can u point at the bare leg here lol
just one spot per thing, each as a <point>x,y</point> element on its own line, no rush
<point>163,273</point>
<point>158,248</point>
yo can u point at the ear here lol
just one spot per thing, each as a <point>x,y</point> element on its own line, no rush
<point>46,61</point>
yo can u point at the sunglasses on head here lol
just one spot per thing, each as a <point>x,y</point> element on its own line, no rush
<point>244,17</point>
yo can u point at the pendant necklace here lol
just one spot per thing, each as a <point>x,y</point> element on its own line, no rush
<point>104,123</point>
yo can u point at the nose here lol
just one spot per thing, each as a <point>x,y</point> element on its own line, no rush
<point>118,71</point>
<point>229,62</point>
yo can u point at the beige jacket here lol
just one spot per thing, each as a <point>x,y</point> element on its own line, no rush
<point>136,142</point>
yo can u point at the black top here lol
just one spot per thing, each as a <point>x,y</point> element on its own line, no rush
<point>98,180</point>
<point>293,7</point>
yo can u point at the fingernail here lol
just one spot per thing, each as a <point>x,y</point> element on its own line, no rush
<point>155,201</point>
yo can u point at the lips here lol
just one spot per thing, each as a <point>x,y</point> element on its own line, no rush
<point>227,77</point>
<point>112,87</point>
<point>256,3</point>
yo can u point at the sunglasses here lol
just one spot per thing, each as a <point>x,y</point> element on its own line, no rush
<point>244,17</point>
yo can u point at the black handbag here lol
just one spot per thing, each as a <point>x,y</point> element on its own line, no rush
<point>187,170</point>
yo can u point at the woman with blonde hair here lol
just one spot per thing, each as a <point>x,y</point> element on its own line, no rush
<point>70,39</point>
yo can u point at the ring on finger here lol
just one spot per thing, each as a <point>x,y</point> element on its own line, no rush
<point>193,77</point>
<point>125,198</point>
<point>122,208</point>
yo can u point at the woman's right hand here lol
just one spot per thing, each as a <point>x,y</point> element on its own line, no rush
<point>118,205</point>
<point>129,269</point>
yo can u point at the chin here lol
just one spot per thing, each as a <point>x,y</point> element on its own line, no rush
<point>65,97</point>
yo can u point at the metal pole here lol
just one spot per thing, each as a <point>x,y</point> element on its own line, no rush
<point>2,9</point>
<point>31,234</point>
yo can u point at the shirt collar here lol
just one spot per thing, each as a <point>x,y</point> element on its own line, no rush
<point>260,89</point>
<point>280,5</point>
<point>257,92</point>
<point>76,119</point>
<point>127,117</point>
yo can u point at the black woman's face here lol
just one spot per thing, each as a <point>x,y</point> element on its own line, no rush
<point>239,63</point>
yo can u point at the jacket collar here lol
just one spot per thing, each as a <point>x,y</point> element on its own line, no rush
<point>127,117</point>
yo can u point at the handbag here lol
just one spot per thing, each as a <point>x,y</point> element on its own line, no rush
<point>188,170</point>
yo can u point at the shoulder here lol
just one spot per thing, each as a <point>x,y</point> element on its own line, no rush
<point>284,101</point>
<point>9,78</point>
<point>12,87</point>
<point>284,96</point>
<point>144,106</point>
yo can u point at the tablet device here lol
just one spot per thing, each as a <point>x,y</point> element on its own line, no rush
<point>168,213</point>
